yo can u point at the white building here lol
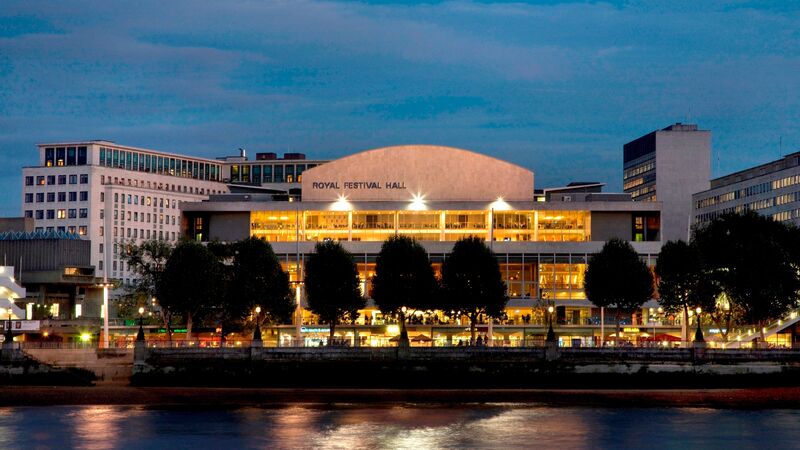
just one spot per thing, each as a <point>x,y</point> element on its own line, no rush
<point>109,193</point>
<point>668,166</point>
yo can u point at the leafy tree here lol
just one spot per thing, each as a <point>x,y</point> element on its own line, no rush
<point>332,284</point>
<point>403,278</point>
<point>472,282</point>
<point>256,278</point>
<point>147,260</point>
<point>617,278</point>
<point>684,283</point>
<point>191,282</point>
<point>756,262</point>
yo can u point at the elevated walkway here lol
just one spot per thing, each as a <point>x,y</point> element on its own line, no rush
<point>9,291</point>
<point>773,328</point>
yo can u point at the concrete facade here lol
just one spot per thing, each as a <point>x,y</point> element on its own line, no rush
<point>669,166</point>
<point>417,171</point>
<point>771,189</point>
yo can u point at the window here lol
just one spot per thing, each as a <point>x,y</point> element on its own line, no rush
<point>84,178</point>
<point>60,156</point>
<point>73,213</point>
<point>100,264</point>
<point>83,213</point>
<point>29,198</point>
<point>51,197</point>
<point>72,156</point>
<point>40,180</point>
<point>40,197</point>
<point>49,156</point>
<point>73,179</point>
<point>82,230</point>
<point>101,231</point>
<point>29,181</point>
<point>84,196</point>
<point>29,213</point>
<point>40,214</point>
<point>71,229</point>
<point>51,213</point>
<point>62,196</point>
<point>73,196</point>
<point>102,197</point>
<point>62,214</point>
<point>100,247</point>
<point>51,180</point>
<point>62,179</point>
<point>81,156</point>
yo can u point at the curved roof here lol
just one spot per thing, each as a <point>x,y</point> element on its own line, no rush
<point>431,172</point>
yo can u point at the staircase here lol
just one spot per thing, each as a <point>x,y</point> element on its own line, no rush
<point>749,335</point>
<point>10,290</point>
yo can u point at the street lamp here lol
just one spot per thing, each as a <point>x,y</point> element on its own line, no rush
<point>9,334</point>
<point>551,335</point>
<point>698,335</point>
<point>140,334</point>
<point>257,333</point>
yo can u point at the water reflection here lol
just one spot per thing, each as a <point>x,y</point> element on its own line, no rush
<point>396,427</point>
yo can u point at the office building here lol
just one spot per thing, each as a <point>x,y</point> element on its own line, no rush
<point>771,189</point>
<point>668,166</point>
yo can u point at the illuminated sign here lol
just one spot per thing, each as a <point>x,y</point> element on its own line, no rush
<point>358,185</point>
<point>630,330</point>
<point>21,325</point>
<point>315,330</point>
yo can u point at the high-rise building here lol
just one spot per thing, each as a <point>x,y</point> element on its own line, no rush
<point>110,193</point>
<point>669,166</point>
<point>771,189</point>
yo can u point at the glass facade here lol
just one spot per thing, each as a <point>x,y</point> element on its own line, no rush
<point>144,162</point>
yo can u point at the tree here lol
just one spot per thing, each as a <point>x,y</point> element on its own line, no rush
<point>256,278</point>
<point>147,260</point>
<point>617,278</point>
<point>403,278</point>
<point>191,282</point>
<point>684,283</point>
<point>332,284</point>
<point>756,262</point>
<point>472,282</point>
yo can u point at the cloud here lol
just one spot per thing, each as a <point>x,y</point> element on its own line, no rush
<point>557,87</point>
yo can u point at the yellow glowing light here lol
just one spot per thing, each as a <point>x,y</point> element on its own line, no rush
<point>141,310</point>
<point>417,203</point>
<point>500,205</point>
<point>86,337</point>
<point>341,204</point>
<point>45,334</point>
<point>258,310</point>
<point>392,329</point>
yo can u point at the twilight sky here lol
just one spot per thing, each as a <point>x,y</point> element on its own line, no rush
<point>557,87</point>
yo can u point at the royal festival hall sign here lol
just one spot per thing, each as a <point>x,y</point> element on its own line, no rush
<point>358,185</point>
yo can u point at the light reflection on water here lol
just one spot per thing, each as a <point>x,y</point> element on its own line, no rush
<point>402,427</point>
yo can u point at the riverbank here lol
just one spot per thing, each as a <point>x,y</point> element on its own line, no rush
<point>215,398</point>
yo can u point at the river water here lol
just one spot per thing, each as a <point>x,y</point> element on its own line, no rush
<point>417,426</point>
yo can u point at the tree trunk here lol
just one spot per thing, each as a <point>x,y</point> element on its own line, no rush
<point>188,326</point>
<point>332,331</point>
<point>166,318</point>
<point>685,327</point>
<point>618,328</point>
<point>472,319</point>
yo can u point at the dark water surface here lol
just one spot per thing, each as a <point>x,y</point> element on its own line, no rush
<point>413,426</point>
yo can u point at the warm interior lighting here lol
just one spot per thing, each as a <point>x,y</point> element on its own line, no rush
<point>86,337</point>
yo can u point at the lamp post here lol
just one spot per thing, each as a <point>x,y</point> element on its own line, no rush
<point>698,335</point>
<point>551,335</point>
<point>403,342</point>
<point>140,334</point>
<point>9,335</point>
<point>257,332</point>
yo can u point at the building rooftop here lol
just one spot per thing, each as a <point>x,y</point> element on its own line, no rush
<point>788,161</point>
<point>38,235</point>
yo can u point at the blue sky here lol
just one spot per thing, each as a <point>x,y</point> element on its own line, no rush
<point>557,87</point>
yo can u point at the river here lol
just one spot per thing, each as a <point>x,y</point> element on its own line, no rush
<point>407,426</point>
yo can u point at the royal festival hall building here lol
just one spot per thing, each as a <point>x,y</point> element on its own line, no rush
<point>438,195</point>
